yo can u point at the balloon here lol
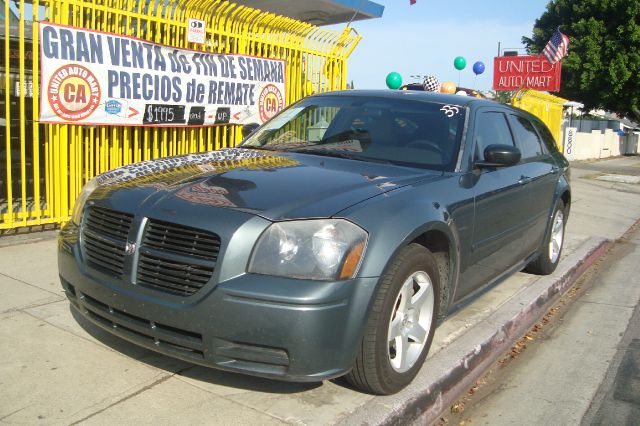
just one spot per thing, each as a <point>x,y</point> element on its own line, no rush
<point>430,84</point>
<point>448,87</point>
<point>460,62</point>
<point>478,67</point>
<point>394,80</point>
<point>461,93</point>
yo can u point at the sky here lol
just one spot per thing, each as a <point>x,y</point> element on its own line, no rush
<point>424,39</point>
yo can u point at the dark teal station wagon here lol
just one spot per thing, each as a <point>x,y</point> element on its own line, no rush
<point>331,242</point>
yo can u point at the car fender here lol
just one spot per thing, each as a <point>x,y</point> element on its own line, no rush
<point>397,224</point>
<point>562,187</point>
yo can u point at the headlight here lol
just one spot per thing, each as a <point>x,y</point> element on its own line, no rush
<point>320,249</point>
<point>91,186</point>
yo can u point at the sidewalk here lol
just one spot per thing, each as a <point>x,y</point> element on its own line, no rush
<point>57,369</point>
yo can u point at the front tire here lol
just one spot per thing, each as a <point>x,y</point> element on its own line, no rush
<point>550,252</point>
<point>401,324</point>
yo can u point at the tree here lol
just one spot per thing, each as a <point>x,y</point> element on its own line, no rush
<point>602,68</point>
<point>502,96</point>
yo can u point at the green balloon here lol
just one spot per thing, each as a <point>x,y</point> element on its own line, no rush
<point>460,62</point>
<point>394,80</point>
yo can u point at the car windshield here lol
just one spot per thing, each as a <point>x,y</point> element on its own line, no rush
<point>400,131</point>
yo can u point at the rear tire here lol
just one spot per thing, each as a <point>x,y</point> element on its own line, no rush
<point>401,324</point>
<point>550,251</point>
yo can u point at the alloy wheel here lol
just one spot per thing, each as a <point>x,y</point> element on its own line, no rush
<point>557,236</point>
<point>410,321</point>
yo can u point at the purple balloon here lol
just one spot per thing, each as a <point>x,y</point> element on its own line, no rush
<point>478,67</point>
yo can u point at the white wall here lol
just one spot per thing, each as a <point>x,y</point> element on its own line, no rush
<point>593,145</point>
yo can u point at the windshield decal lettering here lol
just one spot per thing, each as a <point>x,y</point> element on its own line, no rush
<point>450,110</point>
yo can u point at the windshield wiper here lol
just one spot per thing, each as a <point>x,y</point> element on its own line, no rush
<point>340,154</point>
<point>308,149</point>
<point>262,148</point>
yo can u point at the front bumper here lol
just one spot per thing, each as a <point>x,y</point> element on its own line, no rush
<point>286,329</point>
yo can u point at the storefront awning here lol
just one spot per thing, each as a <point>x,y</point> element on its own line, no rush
<point>319,12</point>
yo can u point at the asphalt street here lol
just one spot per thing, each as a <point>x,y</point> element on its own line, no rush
<point>618,398</point>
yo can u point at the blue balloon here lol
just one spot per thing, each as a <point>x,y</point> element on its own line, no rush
<point>478,67</point>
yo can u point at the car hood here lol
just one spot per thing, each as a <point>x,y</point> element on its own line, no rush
<point>270,184</point>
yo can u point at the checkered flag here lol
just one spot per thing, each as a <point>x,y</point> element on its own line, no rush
<point>430,84</point>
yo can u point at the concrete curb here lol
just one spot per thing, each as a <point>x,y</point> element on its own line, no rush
<point>453,370</point>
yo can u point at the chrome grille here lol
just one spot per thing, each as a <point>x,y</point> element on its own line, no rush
<point>176,259</point>
<point>181,240</point>
<point>105,235</point>
<point>108,222</point>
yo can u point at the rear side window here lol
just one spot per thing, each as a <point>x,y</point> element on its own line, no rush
<point>547,138</point>
<point>530,143</point>
<point>491,129</point>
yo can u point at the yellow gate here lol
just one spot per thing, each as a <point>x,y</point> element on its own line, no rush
<point>546,107</point>
<point>44,166</point>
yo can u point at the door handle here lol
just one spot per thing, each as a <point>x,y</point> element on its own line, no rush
<point>524,179</point>
<point>555,170</point>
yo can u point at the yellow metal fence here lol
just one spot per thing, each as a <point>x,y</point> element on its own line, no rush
<point>546,107</point>
<point>44,166</point>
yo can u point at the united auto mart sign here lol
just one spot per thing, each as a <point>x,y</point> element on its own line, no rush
<point>530,72</point>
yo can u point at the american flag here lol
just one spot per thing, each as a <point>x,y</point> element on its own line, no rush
<point>557,47</point>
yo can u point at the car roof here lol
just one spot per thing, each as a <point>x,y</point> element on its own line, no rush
<point>465,101</point>
<point>414,95</point>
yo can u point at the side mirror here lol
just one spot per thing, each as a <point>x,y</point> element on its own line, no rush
<point>500,156</point>
<point>249,128</point>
